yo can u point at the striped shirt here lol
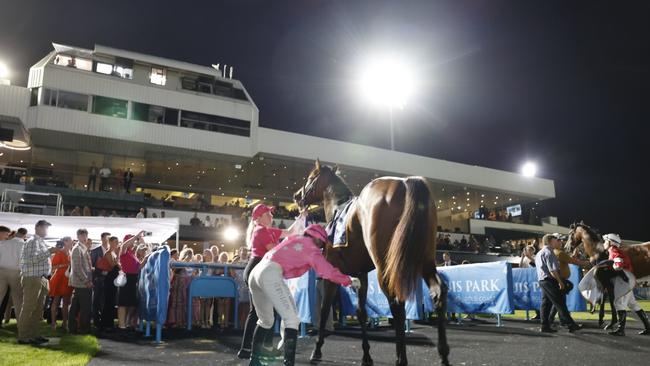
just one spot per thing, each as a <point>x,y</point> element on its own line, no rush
<point>35,258</point>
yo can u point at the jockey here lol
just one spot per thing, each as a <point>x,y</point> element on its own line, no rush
<point>290,259</point>
<point>620,261</point>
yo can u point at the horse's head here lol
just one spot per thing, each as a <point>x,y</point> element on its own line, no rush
<point>590,239</point>
<point>320,177</point>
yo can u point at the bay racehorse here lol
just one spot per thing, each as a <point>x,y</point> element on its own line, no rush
<point>578,236</point>
<point>639,254</point>
<point>391,227</point>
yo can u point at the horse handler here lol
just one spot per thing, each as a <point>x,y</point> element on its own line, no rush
<point>620,261</point>
<point>291,259</point>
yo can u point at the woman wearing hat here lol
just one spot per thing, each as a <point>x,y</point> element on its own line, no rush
<point>261,237</point>
<point>620,261</point>
<point>291,259</point>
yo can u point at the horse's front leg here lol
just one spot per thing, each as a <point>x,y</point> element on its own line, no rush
<point>328,296</point>
<point>438,293</point>
<point>610,297</point>
<point>362,316</point>
<point>601,312</point>
<point>398,310</point>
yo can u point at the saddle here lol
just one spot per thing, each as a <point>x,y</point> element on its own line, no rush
<point>336,229</point>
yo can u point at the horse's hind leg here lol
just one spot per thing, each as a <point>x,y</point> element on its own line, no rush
<point>398,310</point>
<point>326,306</point>
<point>362,316</point>
<point>438,293</point>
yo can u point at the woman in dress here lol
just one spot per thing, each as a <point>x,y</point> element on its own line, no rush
<point>127,295</point>
<point>181,278</point>
<point>112,265</point>
<point>59,289</point>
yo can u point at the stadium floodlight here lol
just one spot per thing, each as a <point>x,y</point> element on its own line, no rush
<point>529,169</point>
<point>231,233</point>
<point>387,81</point>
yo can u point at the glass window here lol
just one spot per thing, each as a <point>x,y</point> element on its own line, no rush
<point>49,97</point>
<point>221,124</point>
<point>171,117</point>
<point>74,62</point>
<point>122,71</point>
<point>110,107</point>
<point>74,101</point>
<point>148,113</point>
<point>33,97</point>
<point>103,68</point>
<point>157,76</point>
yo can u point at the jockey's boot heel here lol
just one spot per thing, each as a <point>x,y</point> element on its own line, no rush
<point>258,347</point>
<point>619,330</point>
<point>644,318</point>
<point>290,342</point>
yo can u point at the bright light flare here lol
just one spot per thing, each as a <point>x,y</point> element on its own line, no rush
<point>4,70</point>
<point>529,169</point>
<point>387,81</point>
<point>231,233</point>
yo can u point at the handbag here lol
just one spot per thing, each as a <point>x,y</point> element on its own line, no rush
<point>120,280</point>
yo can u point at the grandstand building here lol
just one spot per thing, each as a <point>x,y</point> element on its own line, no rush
<point>191,136</point>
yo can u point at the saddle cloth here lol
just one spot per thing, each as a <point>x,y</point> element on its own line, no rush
<point>336,228</point>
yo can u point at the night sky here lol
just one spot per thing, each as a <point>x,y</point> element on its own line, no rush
<point>563,83</point>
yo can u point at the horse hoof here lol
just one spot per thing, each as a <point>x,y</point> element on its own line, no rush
<point>316,357</point>
<point>367,362</point>
<point>445,363</point>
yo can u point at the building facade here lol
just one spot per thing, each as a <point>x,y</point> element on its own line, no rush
<point>190,136</point>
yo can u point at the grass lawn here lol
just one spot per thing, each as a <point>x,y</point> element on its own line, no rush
<point>63,350</point>
<point>584,315</point>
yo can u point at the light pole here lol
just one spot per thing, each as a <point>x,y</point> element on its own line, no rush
<point>387,82</point>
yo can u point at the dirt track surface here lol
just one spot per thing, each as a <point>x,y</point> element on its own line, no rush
<point>472,343</point>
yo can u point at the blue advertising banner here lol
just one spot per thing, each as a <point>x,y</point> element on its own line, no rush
<point>483,288</point>
<point>377,305</point>
<point>526,291</point>
<point>528,295</point>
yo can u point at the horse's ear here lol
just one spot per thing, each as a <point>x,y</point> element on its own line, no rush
<point>582,222</point>
<point>336,169</point>
<point>317,165</point>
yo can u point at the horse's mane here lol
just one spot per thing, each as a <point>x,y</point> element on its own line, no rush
<point>339,186</point>
<point>593,233</point>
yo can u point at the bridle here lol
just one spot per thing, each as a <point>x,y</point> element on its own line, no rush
<point>309,190</point>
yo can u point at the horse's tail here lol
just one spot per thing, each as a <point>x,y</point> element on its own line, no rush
<point>412,236</point>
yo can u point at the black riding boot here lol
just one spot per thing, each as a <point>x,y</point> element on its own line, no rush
<point>644,318</point>
<point>290,341</point>
<point>257,349</point>
<point>619,330</point>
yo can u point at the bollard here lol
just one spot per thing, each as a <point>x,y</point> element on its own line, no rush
<point>499,323</point>
<point>158,332</point>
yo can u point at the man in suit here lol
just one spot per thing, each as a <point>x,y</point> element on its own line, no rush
<point>81,279</point>
<point>446,260</point>
<point>98,280</point>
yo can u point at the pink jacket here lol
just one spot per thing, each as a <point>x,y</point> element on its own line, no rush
<point>297,254</point>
